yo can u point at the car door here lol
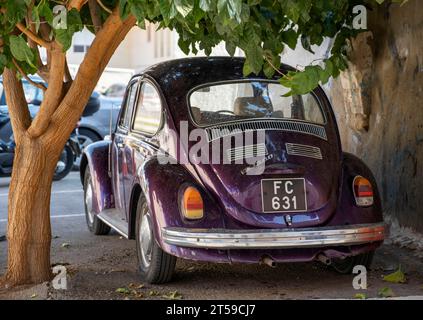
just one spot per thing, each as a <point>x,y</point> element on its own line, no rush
<point>141,141</point>
<point>118,146</point>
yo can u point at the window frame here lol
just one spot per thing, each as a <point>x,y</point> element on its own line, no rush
<point>216,83</point>
<point>124,106</point>
<point>134,110</point>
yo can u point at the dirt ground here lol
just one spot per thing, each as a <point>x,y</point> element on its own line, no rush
<point>99,266</point>
<point>105,268</point>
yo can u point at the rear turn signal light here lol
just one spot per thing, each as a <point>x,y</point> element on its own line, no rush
<point>192,204</point>
<point>363,192</point>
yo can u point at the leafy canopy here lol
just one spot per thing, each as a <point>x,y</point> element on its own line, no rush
<point>261,28</point>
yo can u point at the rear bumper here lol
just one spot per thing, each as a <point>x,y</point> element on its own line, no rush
<point>275,238</point>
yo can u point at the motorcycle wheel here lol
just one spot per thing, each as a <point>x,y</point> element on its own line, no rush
<point>64,165</point>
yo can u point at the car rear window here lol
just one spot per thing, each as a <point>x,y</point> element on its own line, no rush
<point>225,102</point>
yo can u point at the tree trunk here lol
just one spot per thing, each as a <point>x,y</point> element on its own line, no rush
<point>29,231</point>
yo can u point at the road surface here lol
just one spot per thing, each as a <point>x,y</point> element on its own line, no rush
<point>97,266</point>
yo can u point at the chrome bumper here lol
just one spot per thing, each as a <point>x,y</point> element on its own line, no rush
<point>275,238</point>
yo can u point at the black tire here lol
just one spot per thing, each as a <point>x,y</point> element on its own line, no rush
<point>67,158</point>
<point>346,266</point>
<point>95,225</point>
<point>161,265</point>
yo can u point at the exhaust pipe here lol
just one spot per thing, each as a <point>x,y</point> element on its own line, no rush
<point>323,259</point>
<point>269,261</point>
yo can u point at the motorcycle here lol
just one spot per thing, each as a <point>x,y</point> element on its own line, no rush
<point>69,154</point>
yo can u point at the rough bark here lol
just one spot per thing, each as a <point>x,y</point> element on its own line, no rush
<point>29,232</point>
<point>39,145</point>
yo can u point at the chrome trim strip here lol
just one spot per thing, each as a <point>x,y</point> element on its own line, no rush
<point>303,150</point>
<point>220,131</point>
<point>111,225</point>
<point>275,238</point>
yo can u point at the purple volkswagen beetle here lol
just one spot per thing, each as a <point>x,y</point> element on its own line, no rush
<point>208,165</point>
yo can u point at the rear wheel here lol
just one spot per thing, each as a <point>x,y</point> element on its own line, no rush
<point>64,165</point>
<point>155,265</point>
<point>95,225</point>
<point>86,137</point>
<point>346,266</point>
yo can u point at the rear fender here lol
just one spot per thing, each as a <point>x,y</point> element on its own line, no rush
<point>161,185</point>
<point>347,210</point>
<point>95,157</point>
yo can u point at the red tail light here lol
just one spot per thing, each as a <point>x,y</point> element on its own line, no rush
<point>363,191</point>
<point>192,204</point>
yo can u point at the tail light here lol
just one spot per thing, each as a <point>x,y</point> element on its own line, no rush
<point>192,206</point>
<point>363,191</point>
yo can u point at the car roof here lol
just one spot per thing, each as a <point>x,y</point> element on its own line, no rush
<point>194,69</point>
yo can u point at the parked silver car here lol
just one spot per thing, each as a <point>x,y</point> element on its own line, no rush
<point>96,126</point>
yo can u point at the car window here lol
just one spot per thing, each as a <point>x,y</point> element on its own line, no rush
<point>149,111</point>
<point>129,102</point>
<point>1,91</point>
<point>225,102</point>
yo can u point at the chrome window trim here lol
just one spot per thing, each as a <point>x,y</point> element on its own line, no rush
<point>216,83</point>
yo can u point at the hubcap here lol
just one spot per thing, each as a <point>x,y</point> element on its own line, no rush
<point>145,239</point>
<point>89,203</point>
<point>84,141</point>
<point>61,164</point>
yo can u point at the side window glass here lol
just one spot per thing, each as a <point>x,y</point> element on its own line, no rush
<point>126,110</point>
<point>1,92</point>
<point>149,110</point>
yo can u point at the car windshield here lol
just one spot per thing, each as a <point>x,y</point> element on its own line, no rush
<point>218,103</point>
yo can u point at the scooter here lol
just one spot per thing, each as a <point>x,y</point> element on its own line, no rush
<point>69,154</point>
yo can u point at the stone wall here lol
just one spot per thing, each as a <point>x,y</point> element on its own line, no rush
<point>379,107</point>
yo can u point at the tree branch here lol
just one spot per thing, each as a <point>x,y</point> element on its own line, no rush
<point>103,6</point>
<point>17,105</point>
<point>53,94</point>
<point>76,4</point>
<point>35,84</point>
<point>104,45</point>
<point>95,14</point>
<point>68,76</point>
<point>33,36</point>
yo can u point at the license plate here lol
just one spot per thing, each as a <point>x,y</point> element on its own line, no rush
<point>283,195</point>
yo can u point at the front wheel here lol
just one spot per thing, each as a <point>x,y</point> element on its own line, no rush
<point>155,265</point>
<point>64,165</point>
<point>346,266</point>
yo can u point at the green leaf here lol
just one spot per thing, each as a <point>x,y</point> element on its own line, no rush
<point>3,62</point>
<point>205,5</point>
<point>184,7</point>
<point>21,51</point>
<point>396,277</point>
<point>290,37</point>
<point>15,10</point>
<point>123,290</point>
<point>254,59</point>
<point>45,11</point>
<point>360,296</point>
<point>64,38</point>
<point>386,292</point>
<point>173,295</point>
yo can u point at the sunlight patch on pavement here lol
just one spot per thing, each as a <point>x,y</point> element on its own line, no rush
<point>54,192</point>
<point>58,216</point>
